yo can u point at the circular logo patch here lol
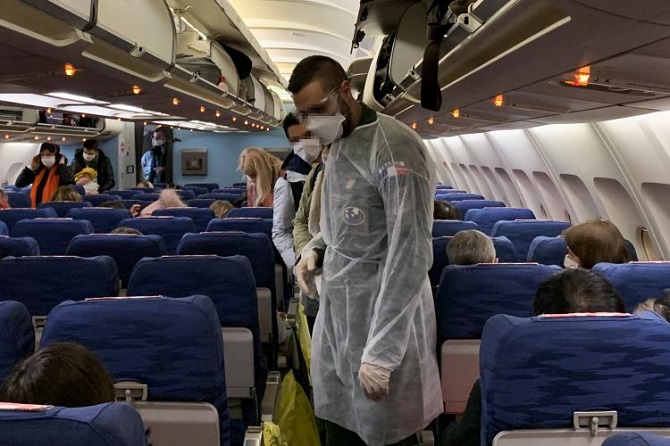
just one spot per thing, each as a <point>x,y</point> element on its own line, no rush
<point>354,216</point>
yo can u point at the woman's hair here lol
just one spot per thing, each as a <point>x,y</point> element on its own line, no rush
<point>263,168</point>
<point>126,230</point>
<point>145,183</point>
<point>66,193</point>
<point>577,291</point>
<point>221,208</point>
<point>659,305</point>
<point>63,374</point>
<point>596,241</point>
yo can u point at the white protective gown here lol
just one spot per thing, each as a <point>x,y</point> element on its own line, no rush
<point>376,301</point>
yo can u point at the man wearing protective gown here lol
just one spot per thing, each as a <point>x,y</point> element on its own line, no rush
<point>374,369</point>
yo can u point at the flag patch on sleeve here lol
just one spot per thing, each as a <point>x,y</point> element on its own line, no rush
<point>393,169</point>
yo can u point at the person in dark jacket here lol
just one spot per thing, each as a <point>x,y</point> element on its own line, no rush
<point>47,171</point>
<point>91,156</point>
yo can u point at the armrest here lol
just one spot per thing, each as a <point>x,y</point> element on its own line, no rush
<point>265,313</point>
<point>253,436</point>
<point>271,395</point>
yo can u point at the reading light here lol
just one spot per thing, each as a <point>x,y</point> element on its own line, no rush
<point>36,138</point>
<point>217,114</point>
<point>69,69</point>
<point>63,138</point>
<point>414,126</point>
<point>6,136</point>
<point>583,76</point>
<point>202,109</point>
<point>246,122</point>
<point>431,121</point>
<point>137,89</point>
<point>498,101</point>
<point>175,101</point>
<point>234,118</point>
<point>456,113</point>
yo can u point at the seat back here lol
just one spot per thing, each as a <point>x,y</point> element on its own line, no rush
<point>130,202</point>
<point>443,228</point>
<point>18,246</point>
<point>637,281</point>
<point>19,199</point>
<point>17,339</point>
<point>197,190</point>
<point>4,229</point>
<point>52,234</point>
<point>125,194</point>
<point>522,232</point>
<point>505,250</point>
<point>185,194</point>
<point>200,216</point>
<point>109,424</point>
<point>174,346</point>
<point>465,205</point>
<point>11,216</point>
<point>243,224</point>
<point>457,196</point>
<point>218,196</point>
<point>227,281</point>
<point>487,217</point>
<point>209,186</point>
<point>125,249</point>
<point>547,250</point>
<point>468,295</point>
<point>62,207</point>
<point>104,220</point>
<point>51,280</point>
<point>98,199</point>
<point>537,372</point>
<point>200,202</point>
<point>170,228</point>
<point>250,212</point>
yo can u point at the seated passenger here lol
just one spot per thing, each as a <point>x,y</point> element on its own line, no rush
<point>221,208</point>
<point>145,184</point>
<point>66,193</point>
<point>63,374</point>
<point>593,242</point>
<point>4,200</point>
<point>443,210</point>
<point>660,305</point>
<point>126,230</point>
<point>168,199</point>
<point>570,291</point>
<point>88,178</point>
<point>471,247</point>
<point>47,171</point>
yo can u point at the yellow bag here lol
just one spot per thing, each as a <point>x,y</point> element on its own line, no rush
<point>295,416</point>
<point>304,337</point>
<point>272,435</point>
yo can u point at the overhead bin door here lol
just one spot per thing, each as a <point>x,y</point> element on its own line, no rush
<point>145,29</point>
<point>77,13</point>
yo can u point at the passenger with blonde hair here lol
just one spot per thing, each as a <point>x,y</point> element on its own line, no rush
<point>593,242</point>
<point>221,208</point>
<point>66,193</point>
<point>168,199</point>
<point>262,171</point>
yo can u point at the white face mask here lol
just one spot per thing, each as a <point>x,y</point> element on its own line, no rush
<point>308,149</point>
<point>88,157</point>
<point>156,142</point>
<point>569,263</point>
<point>327,128</point>
<point>48,161</point>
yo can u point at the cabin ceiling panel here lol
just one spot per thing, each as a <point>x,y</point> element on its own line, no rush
<point>600,114</point>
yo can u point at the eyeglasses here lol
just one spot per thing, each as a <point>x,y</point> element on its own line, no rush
<point>323,107</point>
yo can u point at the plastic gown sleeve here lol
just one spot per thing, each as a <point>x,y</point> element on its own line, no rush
<point>282,222</point>
<point>406,188</point>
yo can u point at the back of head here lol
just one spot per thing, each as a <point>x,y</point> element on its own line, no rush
<point>660,305</point>
<point>221,208</point>
<point>577,291</point>
<point>66,193</point>
<point>596,241</point>
<point>316,68</point>
<point>63,374</point>
<point>471,247</point>
<point>169,198</point>
<point>126,230</point>
<point>145,184</point>
<point>443,210</point>
<point>112,205</point>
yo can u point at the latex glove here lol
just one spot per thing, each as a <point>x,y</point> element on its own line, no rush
<point>305,271</point>
<point>374,381</point>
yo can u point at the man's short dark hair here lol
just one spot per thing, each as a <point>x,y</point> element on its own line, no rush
<point>321,68</point>
<point>577,291</point>
<point>91,144</point>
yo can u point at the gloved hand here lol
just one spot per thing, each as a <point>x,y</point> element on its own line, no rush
<point>374,381</point>
<point>305,271</point>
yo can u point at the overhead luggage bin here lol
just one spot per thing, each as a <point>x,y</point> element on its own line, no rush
<point>78,13</point>
<point>143,29</point>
